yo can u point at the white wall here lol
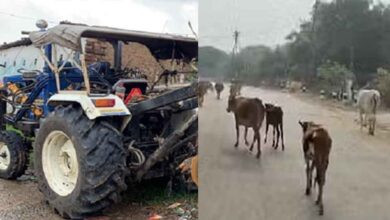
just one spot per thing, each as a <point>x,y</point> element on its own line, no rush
<point>27,57</point>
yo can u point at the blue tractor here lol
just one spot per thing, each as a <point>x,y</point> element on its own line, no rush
<point>90,127</point>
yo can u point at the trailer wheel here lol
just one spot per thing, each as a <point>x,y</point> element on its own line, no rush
<point>80,164</point>
<point>13,155</point>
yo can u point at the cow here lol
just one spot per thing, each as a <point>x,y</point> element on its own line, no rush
<point>235,89</point>
<point>248,112</point>
<point>368,103</point>
<point>203,87</point>
<point>274,117</point>
<point>316,148</point>
<point>219,88</point>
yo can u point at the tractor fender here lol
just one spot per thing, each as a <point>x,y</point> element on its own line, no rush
<point>87,104</point>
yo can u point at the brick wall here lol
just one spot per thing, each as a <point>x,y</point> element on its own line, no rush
<point>133,55</point>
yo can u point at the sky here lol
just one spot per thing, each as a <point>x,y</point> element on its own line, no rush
<point>168,16</point>
<point>265,22</point>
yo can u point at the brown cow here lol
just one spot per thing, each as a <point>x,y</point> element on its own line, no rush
<point>248,112</point>
<point>274,117</point>
<point>316,148</point>
<point>219,88</point>
<point>203,87</point>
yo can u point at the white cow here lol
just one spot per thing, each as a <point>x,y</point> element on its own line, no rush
<point>368,103</point>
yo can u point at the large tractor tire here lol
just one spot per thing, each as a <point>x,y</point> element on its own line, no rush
<point>80,163</point>
<point>13,155</point>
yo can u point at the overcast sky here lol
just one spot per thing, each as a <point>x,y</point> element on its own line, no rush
<point>168,16</point>
<point>265,22</point>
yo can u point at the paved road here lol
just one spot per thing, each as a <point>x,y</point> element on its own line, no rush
<point>235,185</point>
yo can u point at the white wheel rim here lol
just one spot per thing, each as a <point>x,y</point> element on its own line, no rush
<point>5,157</point>
<point>59,162</point>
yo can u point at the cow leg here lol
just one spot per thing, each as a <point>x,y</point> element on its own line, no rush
<point>319,200</point>
<point>273,136</point>
<point>309,176</point>
<point>281,132</point>
<point>254,140</point>
<point>364,119</point>
<point>266,132</point>
<point>237,134</point>
<point>218,95</point>
<point>257,132</point>
<point>371,124</point>
<point>246,134</point>
<point>277,136</point>
<point>321,181</point>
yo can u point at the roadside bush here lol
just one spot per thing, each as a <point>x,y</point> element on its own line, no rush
<point>383,85</point>
<point>333,75</point>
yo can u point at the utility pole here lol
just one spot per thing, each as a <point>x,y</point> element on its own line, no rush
<point>235,51</point>
<point>314,38</point>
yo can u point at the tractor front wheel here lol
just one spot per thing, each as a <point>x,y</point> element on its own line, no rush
<point>13,155</point>
<point>80,163</point>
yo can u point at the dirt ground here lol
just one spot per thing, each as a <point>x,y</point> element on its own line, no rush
<point>235,185</point>
<point>21,200</point>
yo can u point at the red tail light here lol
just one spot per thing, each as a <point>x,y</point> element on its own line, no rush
<point>133,93</point>
<point>104,103</point>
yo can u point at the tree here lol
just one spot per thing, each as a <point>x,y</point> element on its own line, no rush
<point>334,75</point>
<point>383,85</point>
<point>213,62</point>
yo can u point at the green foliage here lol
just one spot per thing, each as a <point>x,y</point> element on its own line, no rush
<point>212,62</point>
<point>352,33</point>
<point>334,74</point>
<point>383,85</point>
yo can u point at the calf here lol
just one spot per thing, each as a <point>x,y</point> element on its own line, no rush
<point>368,103</point>
<point>219,88</point>
<point>203,87</point>
<point>274,117</point>
<point>248,112</point>
<point>316,148</point>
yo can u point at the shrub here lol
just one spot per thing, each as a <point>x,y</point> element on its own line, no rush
<point>383,85</point>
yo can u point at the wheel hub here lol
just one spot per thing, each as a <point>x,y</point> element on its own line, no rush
<point>4,156</point>
<point>59,162</point>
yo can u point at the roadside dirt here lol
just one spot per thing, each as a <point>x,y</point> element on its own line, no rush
<point>21,200</point>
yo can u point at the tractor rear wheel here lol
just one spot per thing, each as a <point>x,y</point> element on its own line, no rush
<point>13,155</point>
<point>80,163</point>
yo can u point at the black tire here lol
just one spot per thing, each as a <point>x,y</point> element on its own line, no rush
<point>18,155</point>
<point>101,158</point>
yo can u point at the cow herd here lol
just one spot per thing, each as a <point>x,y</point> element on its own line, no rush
<point>316,141</point>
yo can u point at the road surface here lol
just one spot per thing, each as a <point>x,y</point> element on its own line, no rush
<point>235,185</point>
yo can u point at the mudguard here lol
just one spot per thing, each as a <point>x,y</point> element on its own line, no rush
<point>86,103</point>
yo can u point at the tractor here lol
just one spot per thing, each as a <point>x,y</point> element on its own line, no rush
<point>95,128</point>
